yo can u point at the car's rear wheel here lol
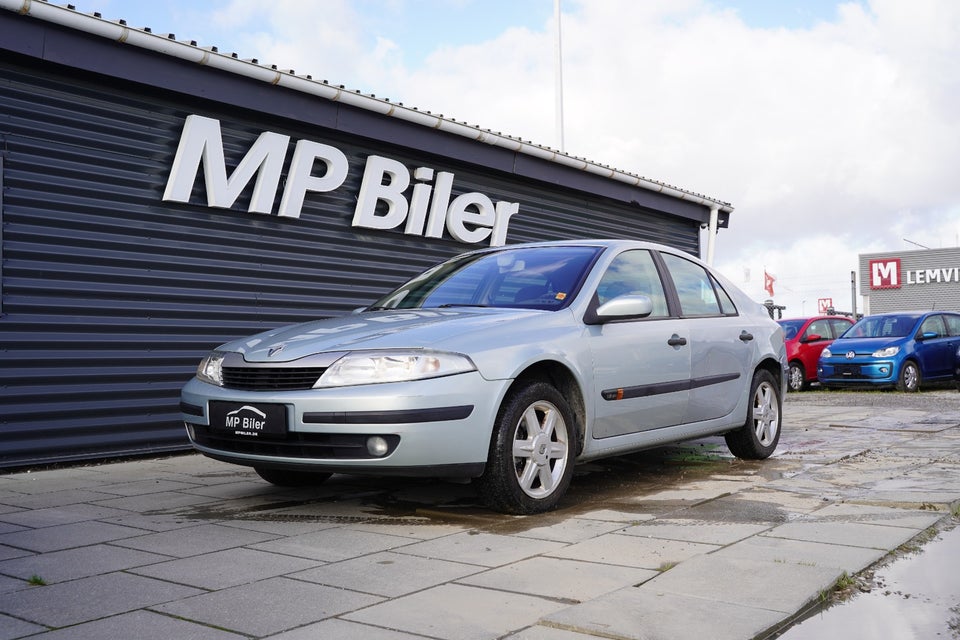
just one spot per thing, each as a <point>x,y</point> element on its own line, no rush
<point>759,435</point>
<point>797,377</point>
<point>290,477</point>
<point>530,463</point>
<point>910,378</point>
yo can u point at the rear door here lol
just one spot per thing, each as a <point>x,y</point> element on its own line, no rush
<point>936,352</point>
<point>722,345</point>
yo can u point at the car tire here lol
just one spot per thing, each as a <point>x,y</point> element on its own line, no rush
<point>759,435</point>
<point>291,478</point>
<point>910,378</point>
<point>796,377</point>
<point>530,463</point>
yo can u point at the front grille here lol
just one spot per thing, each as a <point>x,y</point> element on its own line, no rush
<point>848,370</point>
<point>271,378</point>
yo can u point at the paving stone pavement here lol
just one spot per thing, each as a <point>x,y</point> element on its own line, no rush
<point>681,542</point>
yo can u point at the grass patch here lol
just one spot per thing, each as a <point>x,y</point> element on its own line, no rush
<point>36,581</point>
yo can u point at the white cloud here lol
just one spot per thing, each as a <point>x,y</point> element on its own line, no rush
<point>830,141</point>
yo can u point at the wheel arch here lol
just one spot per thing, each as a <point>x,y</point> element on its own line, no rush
<point>563,380</point>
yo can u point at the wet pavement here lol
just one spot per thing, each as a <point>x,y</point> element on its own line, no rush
<point>678,542</point>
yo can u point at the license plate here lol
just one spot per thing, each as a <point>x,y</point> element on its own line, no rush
<point>249,420</point>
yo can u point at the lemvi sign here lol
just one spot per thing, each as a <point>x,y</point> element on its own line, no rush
<point>470,217</point>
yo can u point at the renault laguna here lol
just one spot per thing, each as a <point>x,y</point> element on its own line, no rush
<point>506,365</point>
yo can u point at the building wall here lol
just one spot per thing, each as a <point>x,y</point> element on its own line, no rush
<point>910,280</point>
<point>110,294</point>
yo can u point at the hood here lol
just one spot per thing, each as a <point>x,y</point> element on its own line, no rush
<point>413,328</point>
<point>864,345</point>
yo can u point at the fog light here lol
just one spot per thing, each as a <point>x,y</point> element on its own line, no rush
<point>190,431</point>
<point>377,446</point>
<point>884,370</point>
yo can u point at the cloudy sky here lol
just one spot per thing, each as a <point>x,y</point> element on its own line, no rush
<point>833,128</point>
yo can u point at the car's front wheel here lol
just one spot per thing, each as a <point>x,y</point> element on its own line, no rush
<point>759,435</point>
<point>797,377</point>
<point>290,477</point>
<point>530,462</point>
<point>909,380</point>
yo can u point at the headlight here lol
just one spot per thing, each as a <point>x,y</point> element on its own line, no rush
<point>825,353</point>
<point>373,367</point>
<point>889,352</point>
<point>211,368</point>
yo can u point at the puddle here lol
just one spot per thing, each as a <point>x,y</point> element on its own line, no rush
<point>916,597</point>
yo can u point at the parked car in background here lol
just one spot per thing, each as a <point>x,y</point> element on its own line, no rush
<point>805,338</point>
<point>901,350</point>
<point>506,365</point>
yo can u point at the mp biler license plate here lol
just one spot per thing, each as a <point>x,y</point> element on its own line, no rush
<point>248,420</point>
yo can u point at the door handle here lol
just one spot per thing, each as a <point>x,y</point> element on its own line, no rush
<point>676,341</point>
<point>746,336</point>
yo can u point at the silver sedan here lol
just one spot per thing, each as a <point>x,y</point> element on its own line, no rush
<point>506,365</point>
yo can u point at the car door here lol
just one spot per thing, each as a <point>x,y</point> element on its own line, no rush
<point>722,346</point>
<point>641,366</point>
<point>808,349</point>
<point>935,349</point>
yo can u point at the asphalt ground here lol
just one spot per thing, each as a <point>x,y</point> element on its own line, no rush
<point>678,542</point>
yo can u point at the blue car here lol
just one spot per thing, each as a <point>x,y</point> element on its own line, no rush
<point>901,350</point>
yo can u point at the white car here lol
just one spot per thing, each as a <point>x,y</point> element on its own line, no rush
<point>507,365</point>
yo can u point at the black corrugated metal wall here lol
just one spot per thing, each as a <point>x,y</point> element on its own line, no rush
<point>110,295</point>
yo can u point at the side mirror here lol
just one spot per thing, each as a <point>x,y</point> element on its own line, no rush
<point>813,337</point>
<point>926,335</point>
<point>627,306</point>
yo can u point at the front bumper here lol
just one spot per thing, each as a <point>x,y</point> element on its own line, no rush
<point>435,427</point>
<point>858,373</point>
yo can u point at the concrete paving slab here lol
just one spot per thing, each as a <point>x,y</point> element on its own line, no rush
<point>156,523</point>
<point>8,584</point>
<point>632,551</point>
<point>46,500</point>
<point>849,512</point>
<point>641,613</point>
<point>68,536</point>
<point>196,540</point>
<point>840,557</point>
<point>144,487</point>
<point>570,530</point>
<point>139,625</point>
<point>80,562</point>
<point>222,569</point>
<point>777,586</point>
<point>627,516</point>
<point>484,549</point>
<point>387,574</point>
<point>331,545</point>
<point>267,607</point>
<point>67,514</point>
<point>416,530</point>
<point>280,527</point>
<point>6,527</point>
<point>11,628</point>
<point>165,501</point>
<point>11,552</point>
<point>76,601</point>
<point>541,632</point>
<point>692,530</point>
<point>569,580</point>
<point>335,629</point>
<point>853,534</point>
<point>457,611</point>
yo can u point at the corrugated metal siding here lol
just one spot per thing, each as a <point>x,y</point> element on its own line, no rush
<point>110,296</point>
<point>940,290</point>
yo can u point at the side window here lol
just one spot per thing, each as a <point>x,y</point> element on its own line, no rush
<point>818,327</point>
<point>953,324</point>
<point>839,326</point>
<point>694,287</point>
<point>933,324</point>
<point>633,272</point>
<point>726,304</point>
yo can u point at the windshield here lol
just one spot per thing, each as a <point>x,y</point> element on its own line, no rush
<point>790,328</point>
<point>882,327</point>
<point>527,278</point>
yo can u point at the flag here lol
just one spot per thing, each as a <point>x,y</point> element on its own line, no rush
<point>768,281</point>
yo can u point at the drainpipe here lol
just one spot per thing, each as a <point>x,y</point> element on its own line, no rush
<point>712,232</point>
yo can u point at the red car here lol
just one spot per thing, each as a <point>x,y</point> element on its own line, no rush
<point>805,338</point>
